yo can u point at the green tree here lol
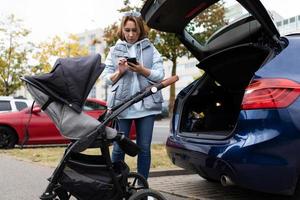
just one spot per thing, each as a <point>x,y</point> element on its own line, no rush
<point>171,49</point>
<point>57,48</point>
<point>14,51</point>
<point>110,36</point>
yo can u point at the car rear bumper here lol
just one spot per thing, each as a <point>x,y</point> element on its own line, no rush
<point>261,172</point>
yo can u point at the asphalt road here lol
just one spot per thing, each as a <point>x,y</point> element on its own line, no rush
<point>160,131</point>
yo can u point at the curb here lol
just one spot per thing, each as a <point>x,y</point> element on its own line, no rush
<point>169,172</point>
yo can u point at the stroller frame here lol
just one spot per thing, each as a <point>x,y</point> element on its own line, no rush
<point>100,138</point>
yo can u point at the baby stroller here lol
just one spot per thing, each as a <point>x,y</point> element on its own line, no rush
<point>61,94</point>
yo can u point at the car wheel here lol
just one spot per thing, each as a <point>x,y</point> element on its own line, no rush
<point>8,138</point>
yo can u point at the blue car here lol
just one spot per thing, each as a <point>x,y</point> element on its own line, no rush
<point>239,123</point>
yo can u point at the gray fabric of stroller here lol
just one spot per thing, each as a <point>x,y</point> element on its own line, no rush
<point>71,124</point>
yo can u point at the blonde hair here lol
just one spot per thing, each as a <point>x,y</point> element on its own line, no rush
<point>141,30</point>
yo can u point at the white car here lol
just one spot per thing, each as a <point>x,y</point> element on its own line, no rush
<point>10,104</point>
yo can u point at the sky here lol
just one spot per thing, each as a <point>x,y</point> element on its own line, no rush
<point>286,8</point>
<point>46,18</point>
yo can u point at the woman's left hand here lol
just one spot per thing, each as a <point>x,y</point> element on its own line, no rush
<point>138,68</point>
<point>135,67</point>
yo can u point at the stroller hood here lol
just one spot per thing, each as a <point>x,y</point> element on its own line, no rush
<point>70,80</point>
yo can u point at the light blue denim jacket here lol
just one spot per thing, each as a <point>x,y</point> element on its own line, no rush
<point>149,57</point>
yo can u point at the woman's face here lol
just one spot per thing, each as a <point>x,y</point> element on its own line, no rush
<point>130,32</point>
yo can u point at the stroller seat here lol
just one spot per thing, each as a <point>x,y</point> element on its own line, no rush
<point>71,124</point>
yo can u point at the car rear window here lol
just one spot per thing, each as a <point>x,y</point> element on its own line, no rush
<point>217,16</point>
<point>5,106</point>
<point>21,105</point>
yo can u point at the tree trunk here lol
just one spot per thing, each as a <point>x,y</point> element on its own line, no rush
<point>172,88</point>
<point>6,86</point>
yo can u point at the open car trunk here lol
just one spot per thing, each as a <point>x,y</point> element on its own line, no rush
<point>212,103</point>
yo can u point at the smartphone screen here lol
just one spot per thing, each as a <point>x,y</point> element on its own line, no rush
<point>132,60</point>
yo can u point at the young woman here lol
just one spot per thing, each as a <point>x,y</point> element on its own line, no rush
<point>128,76</point>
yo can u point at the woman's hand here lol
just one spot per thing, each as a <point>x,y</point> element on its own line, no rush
<point>138,68</point>
<point>122,68</point>
<point>122,65</point>
<point>135,67</point>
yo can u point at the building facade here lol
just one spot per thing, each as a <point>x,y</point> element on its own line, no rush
<point>289,26</point>
<point>93,39</point>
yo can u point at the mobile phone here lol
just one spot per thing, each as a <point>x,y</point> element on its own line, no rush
<point>132,60</point>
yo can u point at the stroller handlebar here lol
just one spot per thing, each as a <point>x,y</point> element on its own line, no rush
<point>125,143</point>
<point>169,81</point>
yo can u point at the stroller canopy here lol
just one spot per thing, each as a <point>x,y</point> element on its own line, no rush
<point>70,80</point>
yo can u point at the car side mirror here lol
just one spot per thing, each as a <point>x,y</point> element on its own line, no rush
<point>36,110</point>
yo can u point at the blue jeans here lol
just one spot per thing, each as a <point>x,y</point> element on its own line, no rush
<point>144,130</point>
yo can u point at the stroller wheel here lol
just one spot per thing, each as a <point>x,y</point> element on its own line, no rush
<point>136,182</point>
<point>147,194</point>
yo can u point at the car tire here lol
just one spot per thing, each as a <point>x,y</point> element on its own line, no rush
<point>8,138</point>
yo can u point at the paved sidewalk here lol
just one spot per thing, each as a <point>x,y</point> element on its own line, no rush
<point>192,186</point>
<point>21,180</point>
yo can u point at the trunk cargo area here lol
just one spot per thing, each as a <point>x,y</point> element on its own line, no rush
<point>212,103</point>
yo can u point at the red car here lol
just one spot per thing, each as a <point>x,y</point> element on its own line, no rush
<point>41,129</point>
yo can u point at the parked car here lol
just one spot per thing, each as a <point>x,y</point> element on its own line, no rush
<point>41,129</point>
<point>9,104</point>
<point>239,123</point>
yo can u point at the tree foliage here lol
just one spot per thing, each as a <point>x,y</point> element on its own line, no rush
<point>171,49</point>
<point>14,52</point>
<point>110,36</point>
<point>110,32</point>
<point>209,22</point>
<point>57,48</point>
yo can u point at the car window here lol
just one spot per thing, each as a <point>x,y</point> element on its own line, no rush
<point>20,105</point>
<point>89,105</point>
<point>217,16</point>
<point>5,106</point>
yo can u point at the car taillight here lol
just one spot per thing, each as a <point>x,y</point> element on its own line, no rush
<point>270,93</point>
